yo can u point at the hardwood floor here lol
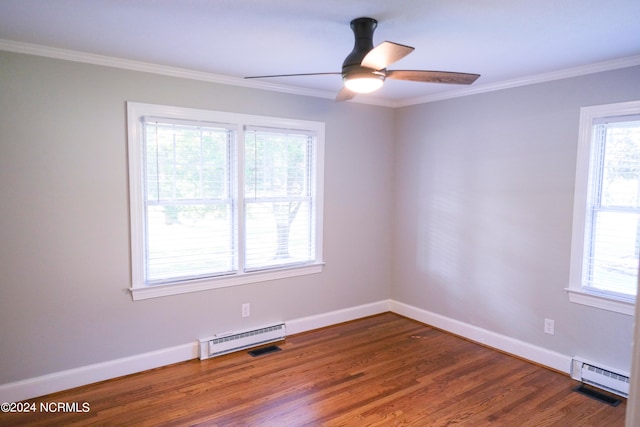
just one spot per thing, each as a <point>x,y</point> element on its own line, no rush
<point>384,370</point>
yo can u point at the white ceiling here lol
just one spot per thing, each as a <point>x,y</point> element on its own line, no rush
<point>503,40</point>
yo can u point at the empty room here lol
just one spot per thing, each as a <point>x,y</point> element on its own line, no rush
<point>305,213</point>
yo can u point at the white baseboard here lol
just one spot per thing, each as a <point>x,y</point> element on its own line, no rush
<point>58,381</point>
<point>339,316</point>
<point>51,383</point>
<point>559,362</point>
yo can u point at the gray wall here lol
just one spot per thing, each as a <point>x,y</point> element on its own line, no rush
<point>64,227</point>
<point>484,205</point>
<point>460,207</point>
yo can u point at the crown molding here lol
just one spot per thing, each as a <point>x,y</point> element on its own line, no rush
<point>108,61</point>
<point>597,67</point>
<point>147,67</point>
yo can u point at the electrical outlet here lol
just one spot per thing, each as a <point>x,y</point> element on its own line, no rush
<point>549,326</point>
<point>246,310</point>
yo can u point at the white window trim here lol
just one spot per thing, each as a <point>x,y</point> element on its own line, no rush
<point>135,111</point>
<point>577,293</point>
<point>605,302</point>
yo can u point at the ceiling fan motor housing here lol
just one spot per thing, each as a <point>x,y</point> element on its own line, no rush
<point>363,29</point>
<point>363,32</point>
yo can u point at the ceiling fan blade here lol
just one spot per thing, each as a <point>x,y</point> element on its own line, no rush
<point>345,95</point>
<point>433,76</point>
<point>294,75</point>
<point>385,54</point>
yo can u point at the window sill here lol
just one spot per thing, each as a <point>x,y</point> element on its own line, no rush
<point>156,291</point>
<point>605,302</point>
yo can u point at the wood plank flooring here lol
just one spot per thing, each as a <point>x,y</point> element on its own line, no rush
<point>384,370</point>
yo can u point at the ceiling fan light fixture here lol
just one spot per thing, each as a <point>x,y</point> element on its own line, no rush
<point>366,83</point>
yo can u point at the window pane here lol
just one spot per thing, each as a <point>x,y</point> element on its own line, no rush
<point>612,239</point>
<point>189,223</point>
<point>278,233</point>
<point>614,252</point>
<point>621,165</point>
<point>279,222</point>
<point>187,163</point>
<point>189,241</point>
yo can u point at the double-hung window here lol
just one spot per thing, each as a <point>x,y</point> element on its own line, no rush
<point>606,229</point>
<point>219,199</point>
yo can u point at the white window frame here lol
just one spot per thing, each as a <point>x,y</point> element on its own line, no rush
<point>577,293</point>
<point>135,114</point>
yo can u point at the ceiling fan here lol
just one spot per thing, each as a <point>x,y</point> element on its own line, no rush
<point>364,70</point>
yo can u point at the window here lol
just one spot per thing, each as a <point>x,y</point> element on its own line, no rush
<point>606,229</point>
<point>220,199</point>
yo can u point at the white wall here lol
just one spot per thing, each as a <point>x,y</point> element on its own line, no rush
<point>484,203</point>
<point>64,227</point>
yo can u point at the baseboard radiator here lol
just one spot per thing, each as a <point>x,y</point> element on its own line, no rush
<point>235,341</point>
<point>600,376</point>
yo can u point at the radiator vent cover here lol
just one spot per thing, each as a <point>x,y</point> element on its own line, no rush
<point>233,341</point>
<point>600,376</point>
